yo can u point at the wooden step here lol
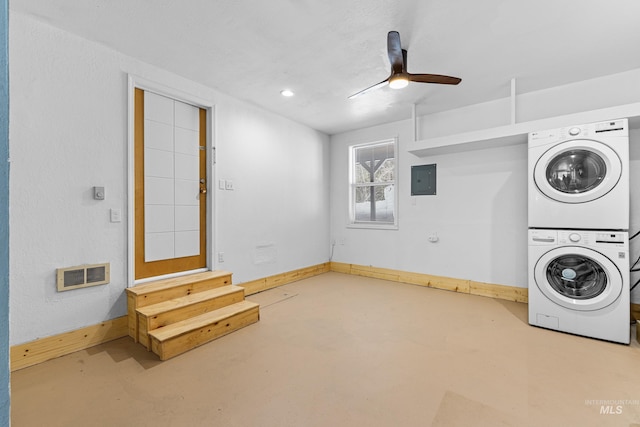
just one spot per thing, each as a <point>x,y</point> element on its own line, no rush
<point>162,290</point>
<point>167,289</point>
<point>182,336</point>
<point>167,312</point>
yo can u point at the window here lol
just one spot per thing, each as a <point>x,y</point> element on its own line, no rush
<point>373,185</point>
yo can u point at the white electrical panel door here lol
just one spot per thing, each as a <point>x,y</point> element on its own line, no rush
<point>171,178</point>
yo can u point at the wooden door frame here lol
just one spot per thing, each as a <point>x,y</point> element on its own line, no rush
<point>137,82</point>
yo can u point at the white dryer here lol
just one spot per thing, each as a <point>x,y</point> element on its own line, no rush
<point>579,177</point>
<point>579,282</point>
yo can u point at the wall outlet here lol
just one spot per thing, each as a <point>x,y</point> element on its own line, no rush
<point>229,185</point>
<point>433,238</point>
<point>220,256</point>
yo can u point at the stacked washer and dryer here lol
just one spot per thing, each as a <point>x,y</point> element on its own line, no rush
<point>578,230</point>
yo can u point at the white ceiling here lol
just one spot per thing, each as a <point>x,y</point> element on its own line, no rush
<point>326,50</point>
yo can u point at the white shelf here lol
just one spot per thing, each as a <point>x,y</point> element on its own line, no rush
<point>517,133</point>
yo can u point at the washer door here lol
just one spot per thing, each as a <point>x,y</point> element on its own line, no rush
<point>577,171</point>
<point>578,278</point>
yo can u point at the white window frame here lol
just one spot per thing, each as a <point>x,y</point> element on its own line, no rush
<point>351,222</point>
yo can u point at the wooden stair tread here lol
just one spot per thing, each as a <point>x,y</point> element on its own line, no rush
<point>164,284</point>
<point>185,326</point>
<point>161,307</point>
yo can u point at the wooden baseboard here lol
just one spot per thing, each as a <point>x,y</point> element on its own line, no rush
<point>41,350</point>
<point>255,286</point>
<point>510,293</point>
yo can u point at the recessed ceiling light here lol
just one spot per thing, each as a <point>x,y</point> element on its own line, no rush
<point>286,92</point>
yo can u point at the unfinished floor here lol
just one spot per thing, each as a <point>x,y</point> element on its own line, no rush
<point>340,350</point>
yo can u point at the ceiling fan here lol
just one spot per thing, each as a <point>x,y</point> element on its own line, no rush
<point>400,77</point>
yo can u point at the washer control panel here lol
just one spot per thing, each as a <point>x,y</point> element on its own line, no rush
<point>543,237</point>
<point>592,238</point>
<point>569,237</point>
<point>610,237</point>
<point>557,237</point>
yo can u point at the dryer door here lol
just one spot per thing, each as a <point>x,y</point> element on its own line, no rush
<point>577,171</point>
<point>578,278</point>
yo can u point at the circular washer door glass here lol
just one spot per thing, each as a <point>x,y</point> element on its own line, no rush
<point>576,276</point>
<point>576,171</point>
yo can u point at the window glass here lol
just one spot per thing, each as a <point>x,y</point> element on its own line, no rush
<point>373,181</point>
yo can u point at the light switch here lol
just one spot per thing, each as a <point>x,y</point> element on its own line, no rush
<point>116,215</point>
<point>222,184</point>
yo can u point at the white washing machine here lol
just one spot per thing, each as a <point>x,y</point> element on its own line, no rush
<point>579,282</point>
<point>579,177</point>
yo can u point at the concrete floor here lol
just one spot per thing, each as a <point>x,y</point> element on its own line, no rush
<point>339,350</point>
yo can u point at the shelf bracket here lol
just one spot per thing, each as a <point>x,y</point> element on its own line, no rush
<point>414,121</point>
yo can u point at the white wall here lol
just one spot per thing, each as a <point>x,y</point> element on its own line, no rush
<point>479,214</point>
<point>68,133</point>
<point>480,210</point>
<point>277,217</point>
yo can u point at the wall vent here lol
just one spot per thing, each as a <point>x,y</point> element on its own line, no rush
<point>82,276</point>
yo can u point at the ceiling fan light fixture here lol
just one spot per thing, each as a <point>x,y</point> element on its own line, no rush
<point>398,81</point>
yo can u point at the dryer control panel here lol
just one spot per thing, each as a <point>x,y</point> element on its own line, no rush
<point>618,127</point>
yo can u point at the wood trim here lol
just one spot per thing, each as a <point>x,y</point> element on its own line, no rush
<point>510,293</point>
<point>202,258</point>
<point>145,269</point>
<point>255,286</point>
<point>138,170</point>
<point>43,349</point>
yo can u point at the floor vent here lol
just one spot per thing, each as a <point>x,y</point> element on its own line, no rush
<point>82,276</point>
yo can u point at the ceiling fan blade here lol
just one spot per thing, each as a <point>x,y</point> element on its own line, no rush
<point>369,89</point>
<point>434,78</point>
<point>394,49</point>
